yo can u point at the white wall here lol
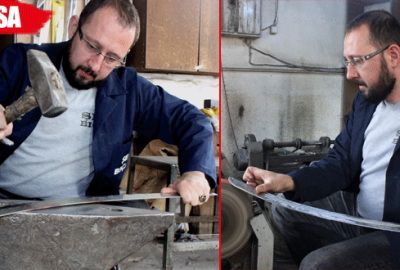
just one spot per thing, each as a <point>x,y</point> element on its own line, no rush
<point>192,88</point>
<point>280,105</point>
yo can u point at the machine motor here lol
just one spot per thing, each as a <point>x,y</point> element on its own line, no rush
<point>277,156</point>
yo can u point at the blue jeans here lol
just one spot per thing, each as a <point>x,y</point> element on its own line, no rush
<point>317,243</point>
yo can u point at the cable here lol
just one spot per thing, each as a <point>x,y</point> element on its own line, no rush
<point>287,64</point>
<point>275,19</point>
<point>227,108</point>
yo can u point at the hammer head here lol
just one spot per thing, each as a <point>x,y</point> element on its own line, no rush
<point>47,84</point>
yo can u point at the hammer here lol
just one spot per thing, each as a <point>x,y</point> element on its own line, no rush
<point>47,89</point>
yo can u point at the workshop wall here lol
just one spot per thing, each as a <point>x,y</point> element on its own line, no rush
<point>281,102</point>
<point>192,88</point>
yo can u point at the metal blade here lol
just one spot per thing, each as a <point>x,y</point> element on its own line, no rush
<point>325,214</point>
<point>39,205</point>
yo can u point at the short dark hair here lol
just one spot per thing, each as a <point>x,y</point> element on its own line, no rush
<point>383,27</point>
<point>128,16</point>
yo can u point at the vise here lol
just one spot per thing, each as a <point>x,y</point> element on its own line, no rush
<point>276,157</point>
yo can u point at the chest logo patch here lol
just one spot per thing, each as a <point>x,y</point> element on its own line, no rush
<point>123,166</point>
<point>87,119</point>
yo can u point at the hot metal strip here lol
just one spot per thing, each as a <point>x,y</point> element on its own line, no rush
<point>325,214</point>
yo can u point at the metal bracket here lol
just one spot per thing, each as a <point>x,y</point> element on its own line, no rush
<point>265,236</point>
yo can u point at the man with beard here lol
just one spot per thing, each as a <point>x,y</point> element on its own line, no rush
<point>360,176</point>
<point>85,151</point>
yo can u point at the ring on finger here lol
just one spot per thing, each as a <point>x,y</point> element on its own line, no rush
<point>202,198</point>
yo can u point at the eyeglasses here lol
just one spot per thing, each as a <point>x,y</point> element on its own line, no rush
<point>359,61</point>
<point>109,60</point>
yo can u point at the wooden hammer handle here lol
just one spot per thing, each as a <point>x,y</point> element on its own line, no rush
<point>23,105</point>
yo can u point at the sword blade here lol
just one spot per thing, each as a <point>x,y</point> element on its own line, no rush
<point>317,212</point>
<point>40,205</point>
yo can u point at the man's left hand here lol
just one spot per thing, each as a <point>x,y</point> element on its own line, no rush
<point>191,185</point>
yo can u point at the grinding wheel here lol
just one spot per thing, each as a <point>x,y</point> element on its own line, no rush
<point>235,214</point>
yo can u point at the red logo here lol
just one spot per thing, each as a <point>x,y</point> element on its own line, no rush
<point>20,18</point>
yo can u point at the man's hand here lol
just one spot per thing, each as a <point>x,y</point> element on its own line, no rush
<point>266,181</point>
<point>5,130</point>
<point>191,185</point>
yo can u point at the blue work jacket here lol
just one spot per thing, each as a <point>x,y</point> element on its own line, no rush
<point>341,170</point>
<point>125,102</point>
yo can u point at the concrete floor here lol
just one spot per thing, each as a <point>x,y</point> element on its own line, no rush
<point>149,257</point>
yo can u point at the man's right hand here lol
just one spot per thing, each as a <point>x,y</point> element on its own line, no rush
<point>266,181</point>
<point>5,130</point>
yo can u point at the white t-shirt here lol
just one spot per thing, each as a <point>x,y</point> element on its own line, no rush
<point>55,161</point>
<point>380,137</point>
